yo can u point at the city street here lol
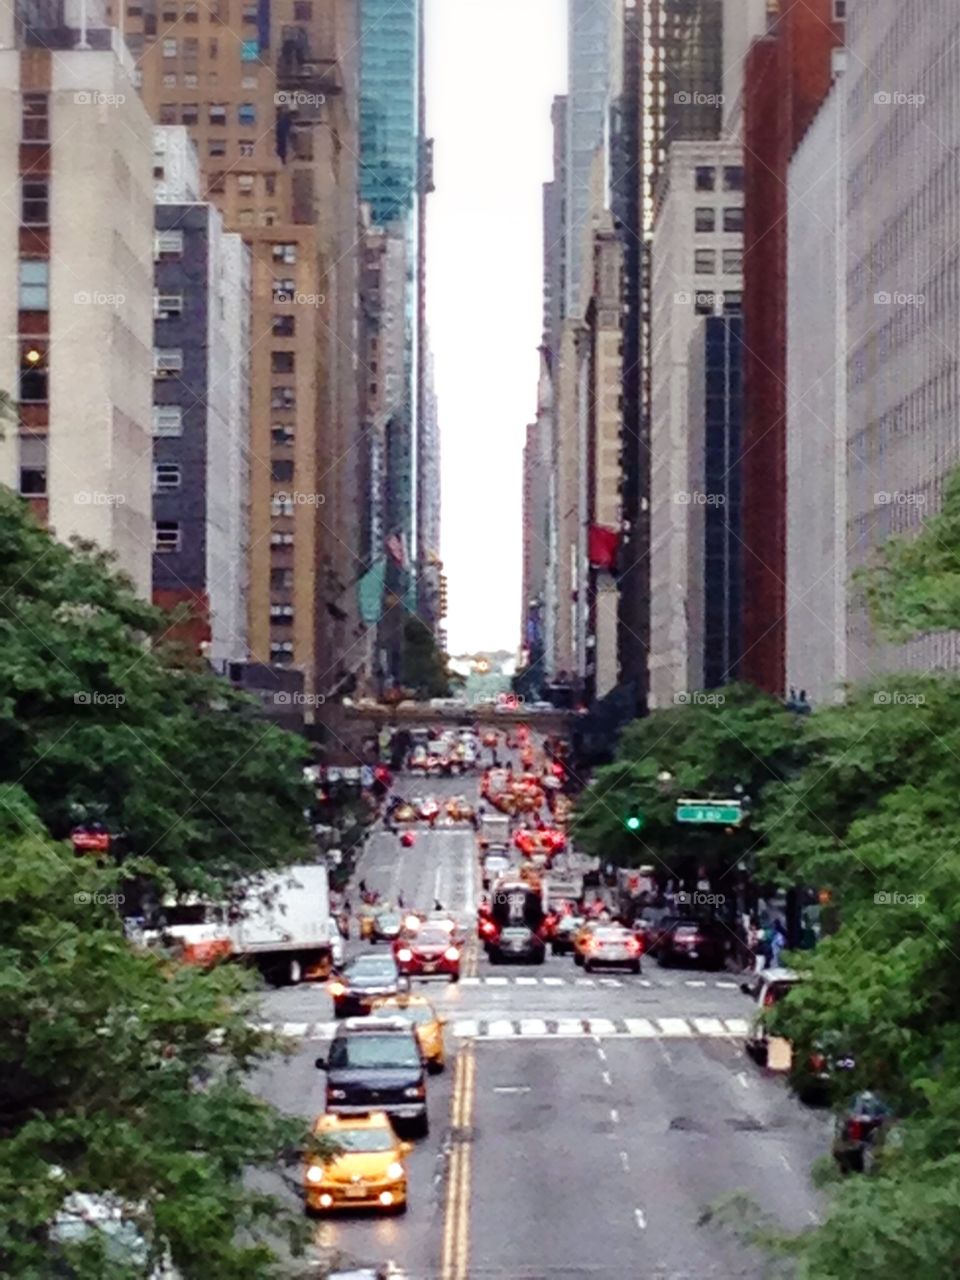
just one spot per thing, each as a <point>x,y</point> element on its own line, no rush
<point>583,1122</point>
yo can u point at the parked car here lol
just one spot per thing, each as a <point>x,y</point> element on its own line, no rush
<point>766,988</point>
<point>700,942</point>
<point>517,943</point>
<point>861,1131</point>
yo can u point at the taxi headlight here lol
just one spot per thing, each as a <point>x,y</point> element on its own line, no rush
<point>395,1171</point>
<point>315,1173</point>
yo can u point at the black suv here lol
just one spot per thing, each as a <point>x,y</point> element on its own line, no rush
<point>375,1064</point>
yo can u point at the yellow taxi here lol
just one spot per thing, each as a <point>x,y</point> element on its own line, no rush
<point>368,1170</point>
<point>427,1023</point>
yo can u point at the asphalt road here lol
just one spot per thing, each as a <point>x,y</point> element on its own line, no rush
<point>583,1123</point>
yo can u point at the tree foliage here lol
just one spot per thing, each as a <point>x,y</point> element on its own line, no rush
<point>123,1075</point>
<point>424,666</point>
<point>98,713</point>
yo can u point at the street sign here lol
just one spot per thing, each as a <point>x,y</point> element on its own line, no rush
<point>728,813</point>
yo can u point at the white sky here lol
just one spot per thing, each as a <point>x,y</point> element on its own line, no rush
<point>493,68</point>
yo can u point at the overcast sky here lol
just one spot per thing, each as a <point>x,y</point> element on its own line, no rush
<point>493,68</point>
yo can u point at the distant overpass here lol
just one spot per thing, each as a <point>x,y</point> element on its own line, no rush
<point>553,721</point>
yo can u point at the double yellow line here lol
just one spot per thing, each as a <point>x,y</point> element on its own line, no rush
<point>456,1227</point>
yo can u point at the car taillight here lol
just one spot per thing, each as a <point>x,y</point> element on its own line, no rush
<point>404,954</point>
<point>633,946</point>
<point>856,1130</point>
<point>488,926</point>
<point>451,953</point>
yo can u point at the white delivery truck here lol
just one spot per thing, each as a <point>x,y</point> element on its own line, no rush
<point>283,925</point>
<point>494,832</point>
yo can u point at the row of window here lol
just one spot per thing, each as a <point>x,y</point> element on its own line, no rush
<point>191,80</point>
<point>705,262</point>
<point>189,113</point>
<point>705,177</point>
<point>218,11</point>
<point>189,48</point>
<point>705,219</point>
<point>33,470</point>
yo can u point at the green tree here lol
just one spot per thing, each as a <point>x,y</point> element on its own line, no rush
<point>700,748</point>
<point>124,1075</point>
<point>97,713</point>
<point>424,666</point>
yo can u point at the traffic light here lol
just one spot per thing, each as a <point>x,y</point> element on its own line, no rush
<point>633,821</point>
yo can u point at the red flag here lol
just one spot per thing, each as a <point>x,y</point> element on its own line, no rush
<point>602,547</point>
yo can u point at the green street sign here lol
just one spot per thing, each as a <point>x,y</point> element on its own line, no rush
<point>727,813</point>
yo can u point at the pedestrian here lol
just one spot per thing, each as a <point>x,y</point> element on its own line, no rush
<point>437,904</point>
<point>346,906</point>
<point>778,942</point>
<point>363,887</point>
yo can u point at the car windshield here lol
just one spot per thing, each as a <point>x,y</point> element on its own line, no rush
<point>364,1139</point>
<point>372,966</point>
<point>385,1051</point>
<point>389,920</point>
<point>611,935</point>
<point>418,1013</point>
<point>433,938</point>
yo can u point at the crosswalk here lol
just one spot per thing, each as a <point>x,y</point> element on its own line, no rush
<point>548,1028</point>
<point>522,980</point>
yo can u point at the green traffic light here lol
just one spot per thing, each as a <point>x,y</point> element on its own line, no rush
<point>634,823</point>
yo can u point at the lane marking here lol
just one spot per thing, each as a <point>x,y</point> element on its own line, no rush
<point>533,1027</point>
<point>690,983</point>
<point>500,1029</point>
<point>496,982</point>
<point>526,982</point>
<point>610,982</point>
<point>625,1161</point>
<point>614,1115</point>
<point>786,1163</point>
<point>736,1026</point>
<point>601,1054</point>
<point>744,1081</point>
<point>709,1026</point>
<point>554,982</point>
<point>465,1029</point>
<point>601,1027</point>
<point>726,986</point>
<point>606,1078</point>
<point>641,1220</point>
<point>511,1088</point>
<point>640,1027</point>
<point>675,1027</point>
<point>586,982</point>
<point>298,1029</point>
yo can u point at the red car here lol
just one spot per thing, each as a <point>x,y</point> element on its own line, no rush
<point>429,953</point>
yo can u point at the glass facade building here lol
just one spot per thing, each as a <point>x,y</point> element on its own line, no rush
<point>389,107</point>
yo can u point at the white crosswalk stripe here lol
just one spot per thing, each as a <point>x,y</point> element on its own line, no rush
<point>511,1028</point>
<point>610,982</point>
<point>554,982</point>
<point>529,980</point>
<point>496,982</point>
<point>470,982</point>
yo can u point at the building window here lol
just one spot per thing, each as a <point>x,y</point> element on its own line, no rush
<point>189,113</point>
<point>250,14</point>
<point>169,47</point>
<point>268,218</point>
<point>302,11</point>
<point>166,536</point>
<point>217,147</point>
<point>282,433</point>
<point>34,284</point>
<point>249,51</point>
<point>704,219</point>
<point>705,178</point>
<point>191,48</point>
<point>282,470</point>
<point>245,217</point>
<point>270,184</point>
<point>733,303</point>
<point>218,113</point>
<point>134,11</point>
<point>281,579</point>
<point>167,306</point>
<point>281,505</point>
<point>704,262</point>
<point>217,183</point>
<point>285,253</point>
<point>168,12</point>
<point>33,466</point>
<point>283,398</point>
<point>284,290</point>
<point>281,362</point>
<point>168,113</point>
<point>190,80</point>
<point>281,615</point>
<point>245,182</point>
<point>216,10</point>
<point>170,80</point>
<point>167,246</point>
<point>733,177</point>
<point>167,361</point>
<point>246,148</point>
<point>839,10</point>
<point>281,539</point>
<point>166,477</point>
<point>281,654</point>
<point>213,47</point>
<point>35,202</point>
<point>732,262</point>
<point>248,82</point>
<point>283,326</point>
<point>733,218</point>
<point>35,118</point>
<point>704,304</point>
<point>167,420</point>
<point>246,113</point>
<point>189,12</point>
<point>33,373</point>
